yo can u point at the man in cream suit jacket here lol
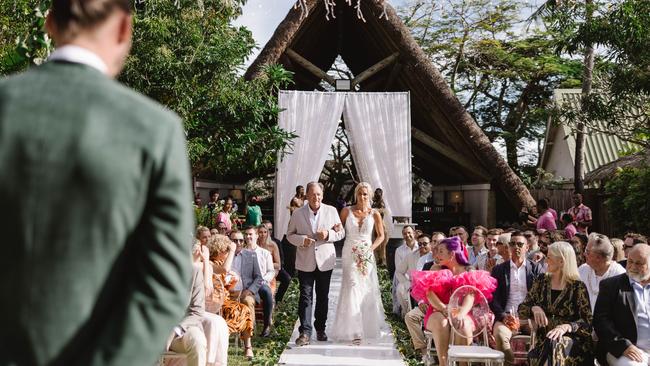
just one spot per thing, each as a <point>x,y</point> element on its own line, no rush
<point>314,228</point>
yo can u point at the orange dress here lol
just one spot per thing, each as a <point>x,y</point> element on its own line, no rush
<point>237,315</point>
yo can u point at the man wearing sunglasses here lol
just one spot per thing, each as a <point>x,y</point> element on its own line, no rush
<point>514,280</point>
<point>246,290</point>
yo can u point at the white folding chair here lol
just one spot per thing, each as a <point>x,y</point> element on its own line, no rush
<point>479,312</point>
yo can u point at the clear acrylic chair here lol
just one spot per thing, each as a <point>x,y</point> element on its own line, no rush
<point>480,313</point>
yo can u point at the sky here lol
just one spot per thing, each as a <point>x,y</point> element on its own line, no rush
<point>262,17</point>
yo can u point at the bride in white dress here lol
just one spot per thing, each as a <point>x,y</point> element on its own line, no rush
<point>359,313</point>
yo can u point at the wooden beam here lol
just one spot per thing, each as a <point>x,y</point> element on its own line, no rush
<point>393,75</point>
<point>449,153</point>
<point>372,70</point>
<point>309,66</point>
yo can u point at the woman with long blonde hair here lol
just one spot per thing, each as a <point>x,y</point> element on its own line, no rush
<point>360,313</point>
<point>558,304</point>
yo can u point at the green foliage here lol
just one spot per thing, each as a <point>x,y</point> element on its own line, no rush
<point>629,202</point>
<point>504,74</point>
<point>620,103</point>
<point>23,40</point>
<point>189,58</point>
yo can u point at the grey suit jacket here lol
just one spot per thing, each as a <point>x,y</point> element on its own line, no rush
<point>95,216</point>
<point>250,274</point>
<point>196,306</point>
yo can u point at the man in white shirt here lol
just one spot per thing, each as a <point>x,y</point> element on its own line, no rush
<point>401,282</point>
<point>478,244</point>
<point>265,261</point>
<point>436,237</point>
<point>598,265</point>
<point>490,258</point>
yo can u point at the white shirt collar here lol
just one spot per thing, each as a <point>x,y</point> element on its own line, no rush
<point>79,55</point>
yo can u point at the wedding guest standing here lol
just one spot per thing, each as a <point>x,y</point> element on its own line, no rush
<point>96,202</point>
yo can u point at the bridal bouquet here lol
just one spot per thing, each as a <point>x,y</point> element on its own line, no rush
<point>362,256</point>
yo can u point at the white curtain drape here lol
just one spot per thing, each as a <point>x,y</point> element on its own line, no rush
<point>314,117</point>
<point>379,133</point>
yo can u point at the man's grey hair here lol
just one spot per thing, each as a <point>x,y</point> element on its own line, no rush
<point>310,185</point>
<point>600,244</point>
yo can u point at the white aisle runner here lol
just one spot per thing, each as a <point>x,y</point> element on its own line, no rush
<point>379,352</point>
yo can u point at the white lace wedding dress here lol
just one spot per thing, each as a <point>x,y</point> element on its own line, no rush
<point>359,313</point>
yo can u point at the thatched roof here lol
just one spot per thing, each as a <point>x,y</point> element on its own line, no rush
<point>607,171</point>
<point>448,146</point>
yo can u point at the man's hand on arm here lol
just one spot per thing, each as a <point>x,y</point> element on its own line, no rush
<point>634,353</point>
<point>322,234</point>
<point>307,242</point>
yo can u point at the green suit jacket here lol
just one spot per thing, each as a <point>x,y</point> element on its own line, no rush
<point>95,220</point>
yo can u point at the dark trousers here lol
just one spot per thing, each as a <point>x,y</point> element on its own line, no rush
<point>289,251</point>
<point>266,295</point>
<point>284,279</point>
<point>307,280</point>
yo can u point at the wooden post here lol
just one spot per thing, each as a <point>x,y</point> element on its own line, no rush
<point>372,70</point>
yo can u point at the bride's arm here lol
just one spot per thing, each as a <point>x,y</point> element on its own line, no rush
<point>379,230</point>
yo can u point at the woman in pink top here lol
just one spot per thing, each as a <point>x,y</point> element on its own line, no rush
<point>546,220</point>
<point>224,215</point>
<point>435,287</point>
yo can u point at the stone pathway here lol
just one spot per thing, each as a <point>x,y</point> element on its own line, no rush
<point>380,352</point>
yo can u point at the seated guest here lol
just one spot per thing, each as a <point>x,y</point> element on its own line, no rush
<point>632,239</point>
<point>238,316</point>
<point>599,265</point>
<point>417,260</point>
<point>514,280</point>
<point>579,243</point>
<point>622,314</point>
<point>188,336</point>
<point>436,287</point>
<point>222,228</point>
<point>201,257</point>
<point>503,246</point>
<point>436,238</point>
<point>478,244</point>
<point>531,238</point>
<point>401,280</point>
<point>266,241</point>
<point>558,304</point>
<point>265,261</point>
<point>619,250</point>
<point>490,258</point>
<point>246,290</point>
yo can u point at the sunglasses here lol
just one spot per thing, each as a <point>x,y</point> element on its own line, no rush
<point>423,243</point>
<point>518,244</point>
<point>237,240</point>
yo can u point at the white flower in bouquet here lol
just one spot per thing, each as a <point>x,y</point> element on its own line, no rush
<point>362,256</point>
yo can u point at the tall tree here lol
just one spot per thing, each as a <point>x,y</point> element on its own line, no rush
<point>502,73</point>
<point>188,56</point>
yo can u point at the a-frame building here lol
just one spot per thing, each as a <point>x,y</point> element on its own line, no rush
<point>449,148</point>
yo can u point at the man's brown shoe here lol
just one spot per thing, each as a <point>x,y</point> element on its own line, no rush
<point>321,336</point>
<point>302,340</point>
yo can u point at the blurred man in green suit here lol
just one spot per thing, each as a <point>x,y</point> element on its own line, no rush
<point>95,203</point>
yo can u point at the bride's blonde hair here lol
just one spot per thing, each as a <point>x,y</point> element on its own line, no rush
<point>358,188</point>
